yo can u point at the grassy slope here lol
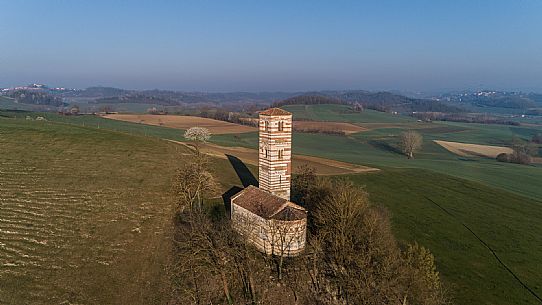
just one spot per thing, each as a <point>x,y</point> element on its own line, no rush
<point>508,223</point>
<point>72,199</point>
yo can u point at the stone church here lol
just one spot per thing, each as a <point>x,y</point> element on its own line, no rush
<point>265,215</point>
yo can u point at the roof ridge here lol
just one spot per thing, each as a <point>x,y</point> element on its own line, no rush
<point>275,111</point>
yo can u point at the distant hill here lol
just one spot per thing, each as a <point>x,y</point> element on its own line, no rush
<point>35,97</point>
<point>309,100</point>
<point>97,92</point>
<point>381,101</point>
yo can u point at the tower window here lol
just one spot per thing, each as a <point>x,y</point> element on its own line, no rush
<point>281,126</point>
<point>266,125</point>
<point>281,153</point>
<point>266,153</point>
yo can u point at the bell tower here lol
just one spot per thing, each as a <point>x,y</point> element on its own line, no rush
<point>275,152</point>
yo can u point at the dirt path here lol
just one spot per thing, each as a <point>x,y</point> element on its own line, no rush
<point>250,156</point>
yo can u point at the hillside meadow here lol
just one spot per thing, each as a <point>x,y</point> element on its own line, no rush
<point>86,214</point>
<point>461,208</point>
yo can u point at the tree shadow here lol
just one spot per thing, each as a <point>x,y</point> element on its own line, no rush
<point>244,174</point>
<point>382,145</point>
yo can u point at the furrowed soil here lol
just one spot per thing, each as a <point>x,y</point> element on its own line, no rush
<point>469,150</point>
<point>86,214</point>
<point>182,122</point>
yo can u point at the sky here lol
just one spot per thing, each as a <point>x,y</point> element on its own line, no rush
<point>253,45</point>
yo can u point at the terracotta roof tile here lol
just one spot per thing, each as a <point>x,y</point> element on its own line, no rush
<point>267,205</point>
<point>291,212</point>
<point>275,111</point>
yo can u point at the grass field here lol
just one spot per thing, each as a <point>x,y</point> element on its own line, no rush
<point>250,156</point>
<point>452,204</point>
<point>509,224</point>
<point>86,214</point>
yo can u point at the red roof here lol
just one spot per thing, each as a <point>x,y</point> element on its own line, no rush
<point>267,205</point>
<point>275,111</point>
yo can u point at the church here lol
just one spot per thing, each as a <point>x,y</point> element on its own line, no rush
<point>264,215</point>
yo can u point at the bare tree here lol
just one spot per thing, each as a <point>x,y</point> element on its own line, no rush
<point>522,152</point>
<point>194,182</point>
<point>197,135</point>
<point>282,237</point>
<point>410,142</point>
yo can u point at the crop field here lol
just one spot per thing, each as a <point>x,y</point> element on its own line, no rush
<point>250,156</point>
<point>320,126</point>
<point>85,214</point>
<point>182,122</point>
<point>461,207</point>
<point>473,150</point>
<point>461,222</point>
<point>342,113</point>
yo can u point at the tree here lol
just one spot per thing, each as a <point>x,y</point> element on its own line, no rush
<point>503,157</point>
<point>353,257</point>
<point>206,254</point>
<point>410,142</point>
<point>197,135</point>
<point>424,281</point>
<point>193,183</point>
<point>522,153</point>
<point>537,138</point>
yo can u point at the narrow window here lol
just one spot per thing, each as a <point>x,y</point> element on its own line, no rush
<point>281,126</point>
<point>266,124</point>
<point>266,153</point>
<point>281,153</point>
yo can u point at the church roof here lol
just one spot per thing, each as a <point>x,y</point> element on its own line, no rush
<point>267,205</point>
<point>275,111</point>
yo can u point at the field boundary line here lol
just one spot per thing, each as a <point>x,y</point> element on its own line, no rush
<point>489,248</point>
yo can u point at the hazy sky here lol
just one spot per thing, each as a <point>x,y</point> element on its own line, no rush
<point>273,45</point>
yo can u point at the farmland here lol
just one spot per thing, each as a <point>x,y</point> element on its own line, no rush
<point>471,150</point>
<point>86,214</point>
<point>460,207</point>
<point>250,156</point>
<point>182,122</point>
<point>458,220</point>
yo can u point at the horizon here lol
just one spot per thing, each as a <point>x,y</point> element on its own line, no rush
<point>252,47</point>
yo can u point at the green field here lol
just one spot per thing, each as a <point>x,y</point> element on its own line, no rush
<point>451,204</point>
<point>86,214</point>
<point>509,224</point>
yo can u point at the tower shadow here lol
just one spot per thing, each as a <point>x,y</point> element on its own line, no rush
<point>242,171</point>
<point>246,177</point>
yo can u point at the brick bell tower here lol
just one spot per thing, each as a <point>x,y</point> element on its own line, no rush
<point>275,153</point>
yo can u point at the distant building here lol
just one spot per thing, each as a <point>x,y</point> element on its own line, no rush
<point>265,215</point>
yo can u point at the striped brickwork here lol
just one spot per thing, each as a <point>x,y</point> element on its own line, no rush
<point>275,153</point>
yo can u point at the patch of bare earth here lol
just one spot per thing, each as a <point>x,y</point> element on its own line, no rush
<point>470,150</point>
<point>182,122</point>
<point>319,126</point>
<point>347,128</point>
<point>250,156</point>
